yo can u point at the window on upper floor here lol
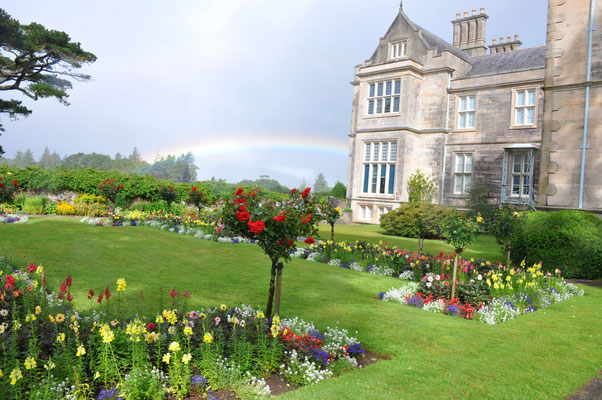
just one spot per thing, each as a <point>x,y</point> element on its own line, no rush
<point>524,107</point>
<point>467,110</point>
<point>379,167</point>
<point>384,97</point>
<point>398,49</point>
<point>462,172</point>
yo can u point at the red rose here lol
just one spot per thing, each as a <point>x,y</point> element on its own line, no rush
<point>241,200</point>
<point>242,208</point>
<point>310,240</point>
<point>290,243</point>
<point>256,227</point>
<point>305,193</point>
<point>150,326</point>
<point>243,215</point>
<point>15,183</point>
<point>239,191</point>
<point>194,189</point>
<point>293,191</point>
<point>121,186</point>
<point>280,218</point>
<point>113,187</point>
<point>1,184</point>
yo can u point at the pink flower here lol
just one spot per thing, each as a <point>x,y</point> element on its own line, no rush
<point>217,320</point>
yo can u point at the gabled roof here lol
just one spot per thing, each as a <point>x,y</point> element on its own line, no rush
<point>513,61</point>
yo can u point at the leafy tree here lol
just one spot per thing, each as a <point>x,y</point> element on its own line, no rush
<point>135,156</point>
<point>321,185</point>
<point>265,184</point>
<point>330,212</point>
<point>169,195</point>
<point>339,191</point>
<point>421,188</point>
<point>37,62</point>
<point>275,227</point>
<point>505,223</point>
<point>24,159</point>
<point>477,200</point>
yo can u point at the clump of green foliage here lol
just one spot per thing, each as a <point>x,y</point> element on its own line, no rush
<point>407,220</point>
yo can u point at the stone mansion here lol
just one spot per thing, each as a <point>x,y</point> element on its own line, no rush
<point>528,121</point>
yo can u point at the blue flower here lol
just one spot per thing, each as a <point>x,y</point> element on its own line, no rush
<point>109,394</point>
<point>198,381</point>
<point>356,350</point>
<point>381,295</point>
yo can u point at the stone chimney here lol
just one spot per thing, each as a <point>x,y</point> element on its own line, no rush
<point>469,32</point>
<point>505,47</point>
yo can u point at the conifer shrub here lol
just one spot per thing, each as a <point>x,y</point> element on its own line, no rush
<point>568,240</point>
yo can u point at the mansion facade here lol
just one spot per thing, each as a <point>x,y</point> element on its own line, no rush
<point>467,111</point>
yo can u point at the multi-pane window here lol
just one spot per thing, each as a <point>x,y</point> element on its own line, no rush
<point>366,213</point>
<point>384,97</point>
<point>398,49</point>
<point>462,173</point>
<point>382,211</point>
<point>467,109</point>
<point>379,167</point>
<point>524,107</point>
<point>520,175</point>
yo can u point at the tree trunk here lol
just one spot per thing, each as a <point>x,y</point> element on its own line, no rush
<point>332,232</point>
<point>278,289</point>
<point>453,292</point>
<point>508,258</point>
<point>268,310</point>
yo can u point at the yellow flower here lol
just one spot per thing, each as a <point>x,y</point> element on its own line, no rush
<point>60,337</point>
<point>151,337</point>
<point>30,363</point>
<point>49,365</point>
<point>166,358</point>
<point>202,315</point>
<point>508,278</point>
<point>1,373</point>
<point>186,358</point>
<point>59,317</point>
<point>16,325</point>
<point>208,338</point>
<point>15,375</point>
<point>159,319</point>
<point>107,335</point>
<point>338,209</point>
<point>275,329</point>
<point>38,310</point>
<point>479,219</point>
<point>121,285</point>
<point>51,318</point>
<point>81,350</point>
<point>30,318</point>
<point>223,307</point>
<point>174,346</point>
<point>188,331</point>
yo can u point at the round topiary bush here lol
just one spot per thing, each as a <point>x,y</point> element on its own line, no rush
<point>569,240</point>
<point>403,221</point>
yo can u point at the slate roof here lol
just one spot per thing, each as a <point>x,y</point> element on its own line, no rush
<point>433,41</point>
<point>514,61</point>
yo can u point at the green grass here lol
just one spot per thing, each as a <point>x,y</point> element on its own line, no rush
<point>485,247</point>
<point>545,355</point>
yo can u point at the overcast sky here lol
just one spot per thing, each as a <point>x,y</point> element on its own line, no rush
<point>251,87</point>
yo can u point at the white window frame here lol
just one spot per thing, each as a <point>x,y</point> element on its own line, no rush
<point>382,210</point>
<point>524,175</point>
<point>377,97</point>
<point>464,110</point>
<point>460,174</point>
<point>365,212</point>
<point>398,50</point>
<point>379,154</point>
<point>523,108</point>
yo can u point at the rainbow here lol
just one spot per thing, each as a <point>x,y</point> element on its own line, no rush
<point>231,144</point>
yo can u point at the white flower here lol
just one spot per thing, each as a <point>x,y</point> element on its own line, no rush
<point>480,277</point>
<point>438,277</point>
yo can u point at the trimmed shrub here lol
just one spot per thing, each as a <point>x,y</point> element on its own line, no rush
<point>569,240</point>
<point>403,221</point>
<point>34,204</point>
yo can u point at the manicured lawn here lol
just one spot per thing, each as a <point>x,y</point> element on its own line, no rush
<point>544,355</point>
<point>485,247</point>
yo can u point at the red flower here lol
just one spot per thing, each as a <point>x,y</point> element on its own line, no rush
<point>69,297</point>
<point>68,281</point>
<point>241,200</point>
<point>293,191</point>
<point>194,188</point>
<point>150,326</point>
<point>1,184</point>
<point>107,293</point>
<point>173,293</point>
<point>310,240</point>
<point>305,193</point>
<point>280,218</point>
<point>10,282</point>
<point>121,186</point>
<point>256,227</point>
<point>306,219</point>
<point>187,294</point>
<point>32,268</point>
<point>99,298</point>
<point>242,208</point>
<point>15,183</point>
<point>239,191</point>
<point>90,294</point>
<point>243,215</point>
<point>290,243</point>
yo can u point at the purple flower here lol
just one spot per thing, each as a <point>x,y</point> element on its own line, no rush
<point>381,295</point>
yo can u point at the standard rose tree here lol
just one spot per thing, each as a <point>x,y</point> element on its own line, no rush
<point>330,212</point>
<point>7,190</point>
<point>275,226</point>
<point>196,197</point>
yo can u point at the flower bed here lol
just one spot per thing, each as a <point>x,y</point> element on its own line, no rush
<point>492,297</point>
<point>50,350</point>
<point>13,219</point>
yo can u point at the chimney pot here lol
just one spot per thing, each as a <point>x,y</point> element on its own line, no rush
<point>458,16</point>
<point>482,10</point>
<point>465,14</point>
<point>515,37</point>
<point>494,41</point>
<point>509,38</point>
<point>501,40</point>
<point>474,12</point>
